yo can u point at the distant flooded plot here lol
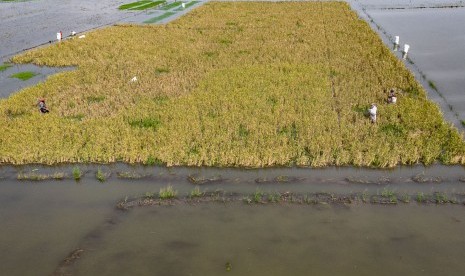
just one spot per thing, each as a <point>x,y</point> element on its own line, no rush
<point>229,84</point>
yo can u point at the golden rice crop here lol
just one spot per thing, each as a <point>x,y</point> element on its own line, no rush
<point>229,84</point>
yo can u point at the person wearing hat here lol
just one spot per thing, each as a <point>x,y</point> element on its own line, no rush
<point>392,99</point>
<point>42,106</point>
<point>372,111</point>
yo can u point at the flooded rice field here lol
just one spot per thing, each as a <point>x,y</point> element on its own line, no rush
<point>27,24</point>
<point>10,84</point>
<point>68,227</point>
<point>54,225</point>
<point>433,29</point>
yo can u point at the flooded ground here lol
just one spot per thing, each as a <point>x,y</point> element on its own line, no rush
<point>277,240</point>
<point>44,222</point>
<point>433,31</point>
<point>9,84</point>
<point>30,24</point>
<point>68,227</point>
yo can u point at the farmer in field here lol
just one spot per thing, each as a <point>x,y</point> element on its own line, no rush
<point>42,106</point>
<point>392,98</point>
<point>372,111</point>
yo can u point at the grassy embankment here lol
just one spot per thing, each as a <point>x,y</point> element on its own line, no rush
<point>229,84</point>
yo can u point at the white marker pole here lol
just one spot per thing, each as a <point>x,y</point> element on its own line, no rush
<point>406,48</point>
<point>59,36</point>
<point>397,40</point>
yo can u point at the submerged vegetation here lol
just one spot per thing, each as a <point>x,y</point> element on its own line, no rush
<point>262,198</point>
<point>140,5</point>
<point>4,66</point>
<point>167,193</point>
<point>242,84</point>
<point>159,18</point>
<point>24,75</point>
<point>35,176</point>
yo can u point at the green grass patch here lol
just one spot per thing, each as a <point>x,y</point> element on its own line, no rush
<point>77,174</point>
<point>145,123</point>
<point>24,75</point>
<point>167,193</point>
<point>161,70</point>
<point>159,18</point>
<point>132,5</point>
<point>190,4</point>
<point>393,130</point>
<point>147,6</point>
<point>172,5</point>
<point>77,117</point>
<point>95,99</point>
<point>432,85</point>
<point>4,66</point>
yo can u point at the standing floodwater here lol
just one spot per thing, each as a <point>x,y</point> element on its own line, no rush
<point>282,240</point>
<point>74,228</point>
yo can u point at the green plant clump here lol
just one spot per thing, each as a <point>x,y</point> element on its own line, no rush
<point>190,4</point>
<point>24,76</point>
<point>4,66</point>
<point>133,4</point>
<point>171,5</point>
<point>196,192</point>
<point>421,197</point>
<point>100,175</point>
<point>77,174</point>
<point>148,5</point>
<point>159,18</point>
<point>167,193</point>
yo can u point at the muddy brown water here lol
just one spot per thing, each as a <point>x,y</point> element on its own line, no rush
<point>44,222</point>
<point>258,240</point>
